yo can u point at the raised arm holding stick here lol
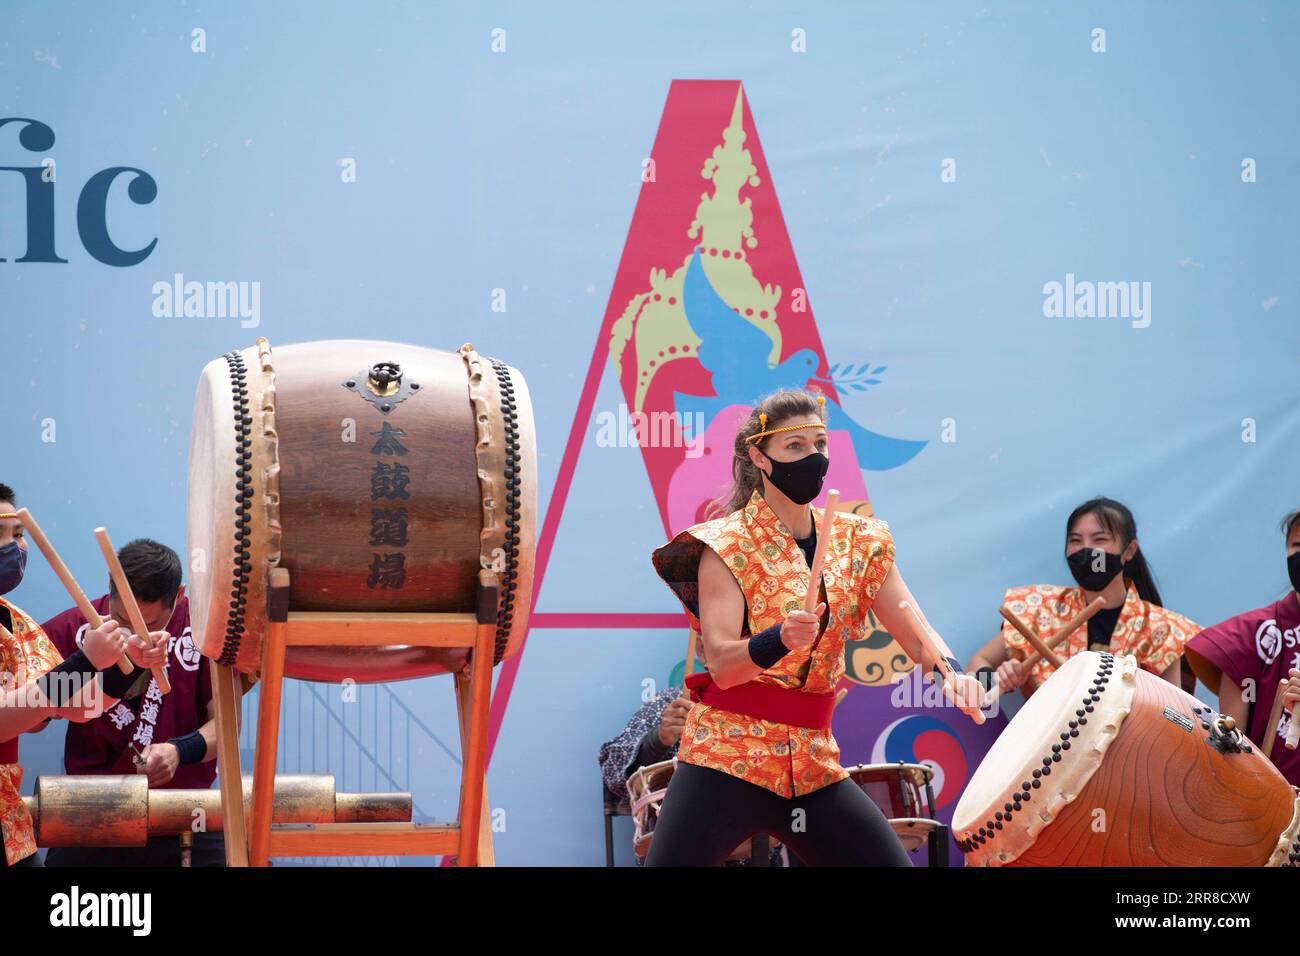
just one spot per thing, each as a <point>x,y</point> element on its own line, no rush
<point>127,597</point>
<point>69,582</point>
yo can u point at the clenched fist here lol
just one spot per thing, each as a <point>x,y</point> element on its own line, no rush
<point>104,645</point>
<point>674,720</point>
<point>800,628</point>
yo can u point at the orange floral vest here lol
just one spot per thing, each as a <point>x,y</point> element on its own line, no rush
<point>772,572</point>
<point>1153,634</point>
<point>29,655</point>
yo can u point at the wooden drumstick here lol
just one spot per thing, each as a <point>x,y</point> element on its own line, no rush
<point>1270,729</point>
<point>928,644</point>
<point>1066,630</point>
<point>69,583</point>
<point>1077,621</point>
<point>1034,640</point>
<point>127,597</point>
<point>839,697</point>
<point>1292,729</point>
<point>819,553</point>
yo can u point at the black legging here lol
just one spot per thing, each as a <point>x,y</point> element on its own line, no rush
<point>706,814</point>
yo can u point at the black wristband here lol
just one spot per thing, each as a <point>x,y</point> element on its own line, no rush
<point>953,663</point>
<point>60,690</point>
<point>119,685</point>
<point>766,647</point>
<point>192,748</point>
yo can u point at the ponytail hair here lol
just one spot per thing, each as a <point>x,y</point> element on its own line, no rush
<point>1118,520</point>
<point>781,407</point>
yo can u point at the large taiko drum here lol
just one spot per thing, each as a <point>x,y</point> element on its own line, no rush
<point>1110,765</point>
<point>382,476</point>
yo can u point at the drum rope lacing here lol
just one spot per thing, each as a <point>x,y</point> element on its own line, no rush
<point>509,576</point>
<point>650,798</point>
<point>1024,794</point>
<point>243,506</point>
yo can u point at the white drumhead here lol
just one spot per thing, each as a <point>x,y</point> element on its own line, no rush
<point>1025,739</point>
<point>527,546</point>
<point>210,522</point>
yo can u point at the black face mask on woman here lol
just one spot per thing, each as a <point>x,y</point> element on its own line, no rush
<point>1293,569</point>
<point>13,560</point>
<point>1093,568</point>
<point>800,480</point>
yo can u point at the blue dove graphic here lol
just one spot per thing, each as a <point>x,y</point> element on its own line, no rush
<point>735,352</point>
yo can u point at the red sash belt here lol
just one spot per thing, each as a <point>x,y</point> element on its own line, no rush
<point>782,705</point>
<point>9,751</point>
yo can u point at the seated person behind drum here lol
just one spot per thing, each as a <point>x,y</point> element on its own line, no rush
<point>37,684</point>
<point>1100,543</point>
<point>650,736</point>
<point>1244,658</point>
<point>175,733</point>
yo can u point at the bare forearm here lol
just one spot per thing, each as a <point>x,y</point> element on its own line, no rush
<point>729,661</point>
<point>209,734</point>
<point>19,713</point>
<point>1233,703</point>
<point>993,654</point>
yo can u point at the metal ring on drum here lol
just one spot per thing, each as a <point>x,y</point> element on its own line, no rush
<point>383,476</point>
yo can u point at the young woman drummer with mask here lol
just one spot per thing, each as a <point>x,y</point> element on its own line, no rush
<point>1101,549</point>
<point>30,689</point>
<point>757,753</point>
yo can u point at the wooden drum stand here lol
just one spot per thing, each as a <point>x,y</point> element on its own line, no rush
<point>255,841</point>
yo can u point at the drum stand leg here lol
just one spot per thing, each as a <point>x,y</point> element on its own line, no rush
<point>228,769</point>
<point>268,738</point>
<point>470,838</point>
<point>482,844</point>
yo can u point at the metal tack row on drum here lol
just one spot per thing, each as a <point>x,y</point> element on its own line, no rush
<point>1109,765</point>
<point>383,476</point>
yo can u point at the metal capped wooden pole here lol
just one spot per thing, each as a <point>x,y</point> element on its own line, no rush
<point>127,597</point>
<point>819,553</point>
<point>69,582</point>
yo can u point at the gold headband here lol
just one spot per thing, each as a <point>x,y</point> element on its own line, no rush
<point>8,514</point>
<point>762,423</point>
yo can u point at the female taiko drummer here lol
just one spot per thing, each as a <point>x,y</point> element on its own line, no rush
<point>36,684</point>
<point>757,754</point>
<point>1105,560</point>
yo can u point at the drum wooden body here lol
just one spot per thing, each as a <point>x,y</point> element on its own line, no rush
<point>1109,765</point>
<point>382,476</point>
<point>903,793</point>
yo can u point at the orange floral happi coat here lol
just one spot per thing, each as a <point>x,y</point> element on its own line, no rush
<point>1151,633</point>
<point>772,573</point>
<point>29,655</point>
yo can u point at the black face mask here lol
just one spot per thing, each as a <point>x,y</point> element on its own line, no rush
<point>1293,569</point>
<point>1093,568</point>
<point>13,560</point>
<point>801,480</point>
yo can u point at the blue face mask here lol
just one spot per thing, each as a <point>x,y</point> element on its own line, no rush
<point>13,562</point>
